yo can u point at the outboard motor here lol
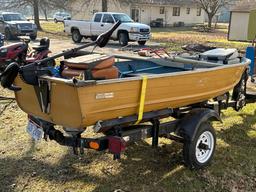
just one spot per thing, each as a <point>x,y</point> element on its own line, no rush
<point>1,40</point>
<point>30,73</point>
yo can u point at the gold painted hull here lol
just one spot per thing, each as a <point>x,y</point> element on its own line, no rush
<point>79,107</point>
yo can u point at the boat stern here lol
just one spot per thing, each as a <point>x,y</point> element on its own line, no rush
<point>54,101</point>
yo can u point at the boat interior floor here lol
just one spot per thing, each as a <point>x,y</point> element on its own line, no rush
<point>135,68</point>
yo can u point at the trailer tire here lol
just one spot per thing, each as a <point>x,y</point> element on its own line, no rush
<point>199,152</point>
<point>76,36</point>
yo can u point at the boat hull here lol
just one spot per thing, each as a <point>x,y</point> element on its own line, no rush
<point>82,106</point>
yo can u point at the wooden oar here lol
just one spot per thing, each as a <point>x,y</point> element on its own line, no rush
<point>172,61</point>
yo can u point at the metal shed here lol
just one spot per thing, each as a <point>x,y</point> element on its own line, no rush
<point>242,26</point>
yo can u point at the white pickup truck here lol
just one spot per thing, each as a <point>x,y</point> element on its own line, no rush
<point>102,21</point>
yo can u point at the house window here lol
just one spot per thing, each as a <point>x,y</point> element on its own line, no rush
<point>176,11</point>
<point>198,11</point>
<point>161,10</point>
<point>135,14</point>
<point>188,11</point>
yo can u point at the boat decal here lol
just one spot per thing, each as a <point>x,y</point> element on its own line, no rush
<point>105,95</point>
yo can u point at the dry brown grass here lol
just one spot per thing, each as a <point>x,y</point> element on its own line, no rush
<point>46,166</point>
<point>175,38</point>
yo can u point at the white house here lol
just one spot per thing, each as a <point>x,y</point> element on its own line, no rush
<point>170,12</point>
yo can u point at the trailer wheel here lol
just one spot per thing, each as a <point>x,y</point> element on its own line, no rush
<point>76,36</point>
<point>199,152</point>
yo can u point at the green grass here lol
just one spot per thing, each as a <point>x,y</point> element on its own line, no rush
<point>29,166</point>
<point>52,30</point>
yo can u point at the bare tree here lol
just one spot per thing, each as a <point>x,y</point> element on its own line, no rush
<point>48,5</point>
<point>35,4</point>
<point>104,5</point>
<point>211,7</point>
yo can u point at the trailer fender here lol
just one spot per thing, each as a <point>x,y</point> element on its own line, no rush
<point>188,126</point>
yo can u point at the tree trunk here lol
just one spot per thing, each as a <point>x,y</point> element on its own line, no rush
<point>104,5</point>
<point>45,15</point>
<point>36,15</point>
<point>210,17</point>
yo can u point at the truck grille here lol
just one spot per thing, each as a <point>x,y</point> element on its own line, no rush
<point>144,30</point>
<point>25,26</point>
<point>26,31</point>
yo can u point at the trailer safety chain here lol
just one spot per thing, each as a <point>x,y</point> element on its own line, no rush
<point>142,99</point>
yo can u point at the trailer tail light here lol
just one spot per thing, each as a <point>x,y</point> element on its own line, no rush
<point>116,145</point>
<point>94,145</point>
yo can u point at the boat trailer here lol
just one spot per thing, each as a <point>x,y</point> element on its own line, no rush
<point>190,125</point>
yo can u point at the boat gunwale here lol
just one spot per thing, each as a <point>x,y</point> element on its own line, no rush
<point>80,83</point>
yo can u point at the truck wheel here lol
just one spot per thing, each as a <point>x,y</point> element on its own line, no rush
<point>94,38</point>
<point>33,37</point>
<point>55,20</point>
<point>76,36</point>
<point>142,42</point>
<point>198,153</point>
<point>123,39</point>
<point>8,34</point>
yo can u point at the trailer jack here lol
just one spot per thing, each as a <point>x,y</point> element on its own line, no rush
<point>155,132</point>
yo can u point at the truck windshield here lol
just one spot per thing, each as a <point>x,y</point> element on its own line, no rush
<point>14,17</point>
<point>123,18</point>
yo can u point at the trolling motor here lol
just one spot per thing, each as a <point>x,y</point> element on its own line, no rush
<point>31,72</point>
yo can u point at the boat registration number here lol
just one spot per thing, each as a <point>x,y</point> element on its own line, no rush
<point>35,131</point>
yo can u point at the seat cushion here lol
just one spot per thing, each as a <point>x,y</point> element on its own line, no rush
<point>106,73</point>
<point>40,47</point>
<point>93,61</point>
